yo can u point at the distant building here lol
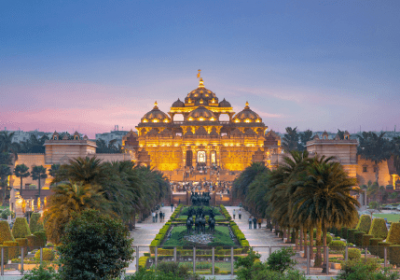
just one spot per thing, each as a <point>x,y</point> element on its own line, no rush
<point>108,136</point>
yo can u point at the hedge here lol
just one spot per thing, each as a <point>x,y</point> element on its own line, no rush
<point>358,238</point>
<point>394,255</point>
<point>394,234</point>
<point>5,232</point>
<point>225,212</point>
<point>21,228</point>
<point>176,212</point>
<point>5,254</point>
<point>364,224</point>
<point>337,245</point>
<point>33,242</point>
<point>350,235</point>
<point>48,254</point>
<point>378,228</point>
<point>12,248</point>
<point>23,242</point>
<point>373,242</point>
<point>35,223</point>
<point>344,233</point>
<point>381,246</point>
<point>353,254</point>
<point>365,240</point>
<point>41,235</point>
<point>143,261</point>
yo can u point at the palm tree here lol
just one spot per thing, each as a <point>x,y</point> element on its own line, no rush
<point>53,171</point>
<point>86,170</point>
<point>241,184</point>
<point>305,137</point>
<point>7,145</point>
<point>290,140</point>
<point>375,148</point>
<point>323,199</point>
<point>21,171</point>
<point>70,198</point>
<point>38,173</point>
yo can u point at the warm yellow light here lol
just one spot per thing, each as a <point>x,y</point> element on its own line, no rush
<point>155,120</point>
<point>237,120</point>
<point>247,120</point>
<point>201,119</point>
<point>166,120</point>
<point>190,119</point>
<point>144,120</point>
<point>258,120</point>
<point>212,119</point>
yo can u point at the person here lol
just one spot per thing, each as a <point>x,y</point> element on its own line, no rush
<point>250,220</point>
<point>160,216</point>
<point>259,222</point>
<point>234,213</point>
<point>172,207</point>
<point>153,215</point>
<point>255,222</point>
<point>179,202</point>
<point>240,214</point>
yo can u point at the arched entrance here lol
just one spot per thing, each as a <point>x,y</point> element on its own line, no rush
<point>201,158</point>
<point>189,157</point>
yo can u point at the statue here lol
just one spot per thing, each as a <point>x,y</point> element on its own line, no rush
<point>189,224</point>
<point>211,224</point>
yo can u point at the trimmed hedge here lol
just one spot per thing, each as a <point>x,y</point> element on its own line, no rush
<point>394,255</point>
<point>378,228</point>
<point>176,212</point>
<point>358,238</point>
<point>365,240</point>
<point>344,233</point>
<point>373,242</point>
<point>5,254</point>
<point>350,235</point>
<point>23,242</point>
<point>12,249</point>
<point>35,223</point>
<point>394,234</point>
<point>5,232</point>
<point>33,242</point>
<point>364,224</point>
<point>41,235</point>
<point>48,254</point>
<point>353,254</point>
<point>337,245</point>
<point>225,212</point>
<point>381,246</point>
<point>21,228</point>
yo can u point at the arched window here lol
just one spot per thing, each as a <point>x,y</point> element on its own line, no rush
<point>201,157</point>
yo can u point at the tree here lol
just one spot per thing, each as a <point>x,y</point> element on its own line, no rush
<point>241,184</point>
<point>88,170</point>
<point>245,265</point>
<point>305,137</point>
<point>68,198</point>
<point>38,173</point>
<point>375,148</point>
<point>281,260</point>
<point>53,171</point>
<point>290,140</point>
<point>6,143</point>
<point>21,172</point>
<point>94,247</point>
<point>5,171</point>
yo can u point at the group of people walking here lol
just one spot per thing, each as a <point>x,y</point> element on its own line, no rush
<point>239,212</point>
<point>254,221</point>
<point>158,216</point>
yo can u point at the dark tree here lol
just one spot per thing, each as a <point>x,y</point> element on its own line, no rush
<point>38,173</point>
<point>21,172</point>
<point>305,137</point>
<point>290,139</point>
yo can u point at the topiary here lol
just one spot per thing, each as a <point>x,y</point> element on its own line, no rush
<point>23,242</point>
<point>394,234</point>
<point>373,248</point>
<point>365,240</point>
<point>21,228</point>
<point>358,235</point>
<point>33,242</point>
<point>378,228</point>
<point>394,255</point>
<point>12,249</point>
<point>337,245</point>
<point>344,233</point>
<point>48,254</point>
<point>5,252</point>
<point>364,223</point>
<point>353,254</point>
<point>35,223</point>
<point>41,235</point>
<point>328,239</point>
<point>381,248</point>
<point>5,232</point>
<point>350,235</point>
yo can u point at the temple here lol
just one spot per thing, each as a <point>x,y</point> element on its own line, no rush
<point>201,144</point>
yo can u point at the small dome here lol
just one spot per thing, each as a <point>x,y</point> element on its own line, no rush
<point>178,103</point>
<point>202,114</point>
<point>201,131</point>
<point>76,136</point>
<point>55,136</point>
<point>214,133</point>
<point>246,116</point>
<point>166,133</point>
<point>236,133</point>
<point>189,133</point>
<point>250,133</point>
<point>155,116</point>
<point>152,133</point>
<point>224,103</point>
<point>325,135</point>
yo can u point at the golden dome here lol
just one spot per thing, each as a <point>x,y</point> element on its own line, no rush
<point>202,114</point>
<point>155,116</point>
<point>224,103</point>
<point>201,93</point>
<point>178,103</point>
<point>246,116</point>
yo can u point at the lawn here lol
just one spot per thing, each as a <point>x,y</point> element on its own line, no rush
<point>221,234</point>
<point>390,217</point>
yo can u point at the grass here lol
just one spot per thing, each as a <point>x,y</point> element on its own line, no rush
<point>390,217</point>
<point>221,235</point>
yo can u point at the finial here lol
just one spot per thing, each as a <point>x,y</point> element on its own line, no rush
<point>201,83</point>
<point>198,74</point>
<point>155,105</point>
<point>247,104</point>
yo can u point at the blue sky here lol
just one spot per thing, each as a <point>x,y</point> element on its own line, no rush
<point>90,65</point>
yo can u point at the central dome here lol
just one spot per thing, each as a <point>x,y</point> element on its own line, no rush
<point>201,93</point>
<point>202,114</point>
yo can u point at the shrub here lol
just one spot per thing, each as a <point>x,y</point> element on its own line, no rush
<point>35,223</point>
<point>373,242</point>
<point>143,261</point>
<point>366,270</point>
<point>378,228</point>
<point>5,254</point>
<point>173,268</point>
<point>41,235</point>
<point>12,248</point>
<point>365,240</point>
<point>344,233</point>
<point>281,260</point>
<point>381,248</point>
<point>5,232</point>
<point>394,234</point>
<point>394,254</point>
<point>33,242</point>
<point>350,235</point>
<point>21,228</point>
<point>42,273</point>
<point>48,254</point>
<point>353,253</point>
<point>328,239</point>
<point>6,213</point>
<point>337,245</point>
<point>364,224</point>
<point>358,235</point>
<point>216,270</point>
<point>23,242</point>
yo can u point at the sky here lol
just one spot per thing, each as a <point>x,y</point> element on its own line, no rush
<point>91,65</point>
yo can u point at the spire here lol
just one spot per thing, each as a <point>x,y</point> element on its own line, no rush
<point>155,105</point>
<point>201,83</point>
<point>247,105</point>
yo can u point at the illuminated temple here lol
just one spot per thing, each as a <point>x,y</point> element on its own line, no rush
<point>201,141</point>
